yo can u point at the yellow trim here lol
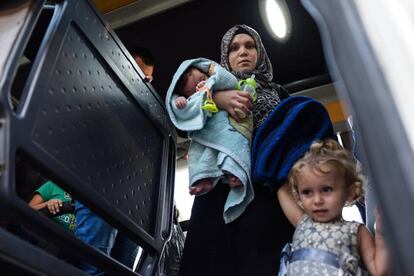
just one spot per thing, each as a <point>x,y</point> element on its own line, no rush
<point>336,111</point>
<point>105,6</point>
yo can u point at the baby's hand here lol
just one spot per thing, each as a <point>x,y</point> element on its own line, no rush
<point>180,102</point>
<point>200,85</point>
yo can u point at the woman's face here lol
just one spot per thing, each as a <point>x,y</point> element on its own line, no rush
<point>242,53</point>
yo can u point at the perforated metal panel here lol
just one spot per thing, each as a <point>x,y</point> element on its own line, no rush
<point>94,127</point>
<point>90,121</point>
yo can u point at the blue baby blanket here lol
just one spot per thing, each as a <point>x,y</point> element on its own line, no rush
<point>216,146</point>
<point>285,136</point>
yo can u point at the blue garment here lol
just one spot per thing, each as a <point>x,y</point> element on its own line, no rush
<point>217,145</point>
<point>285,136</point>
<point>94,231</point>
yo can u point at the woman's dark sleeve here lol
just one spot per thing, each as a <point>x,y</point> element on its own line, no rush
<point>283,93</point>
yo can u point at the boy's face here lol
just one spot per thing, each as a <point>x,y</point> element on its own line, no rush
<point>147,69</point>
<point>194,77</point>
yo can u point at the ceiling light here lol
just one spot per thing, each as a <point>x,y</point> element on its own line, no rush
<point>276,17</point>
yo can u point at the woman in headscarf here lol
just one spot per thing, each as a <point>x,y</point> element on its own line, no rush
<point>250,245</point>
<point>243,54</point>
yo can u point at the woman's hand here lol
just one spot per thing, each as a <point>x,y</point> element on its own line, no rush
<point>231,100</point>
<point>200,85</point>
<point>54,205</point>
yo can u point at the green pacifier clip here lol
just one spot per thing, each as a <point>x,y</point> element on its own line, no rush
<point>209,104</point>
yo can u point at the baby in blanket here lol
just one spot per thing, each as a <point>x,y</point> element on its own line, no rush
<point>220,146</point>
<point>193,80</point>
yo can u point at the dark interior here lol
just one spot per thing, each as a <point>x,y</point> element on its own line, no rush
<point>195,30</point>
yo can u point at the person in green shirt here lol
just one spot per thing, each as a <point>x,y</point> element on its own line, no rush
<point>51,196</point>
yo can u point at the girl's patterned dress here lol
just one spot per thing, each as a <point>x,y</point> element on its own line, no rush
<point>324,248</point>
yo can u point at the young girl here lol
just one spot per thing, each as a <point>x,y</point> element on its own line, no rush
<point>321,183</point>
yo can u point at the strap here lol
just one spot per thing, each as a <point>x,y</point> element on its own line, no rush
<point>317,255</point>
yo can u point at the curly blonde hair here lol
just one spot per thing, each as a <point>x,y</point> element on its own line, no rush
<point>327,152</point>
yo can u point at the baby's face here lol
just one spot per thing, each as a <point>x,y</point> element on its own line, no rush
<point>194,77</point>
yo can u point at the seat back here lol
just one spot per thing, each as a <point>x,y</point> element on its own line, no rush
<point>87,118</point>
